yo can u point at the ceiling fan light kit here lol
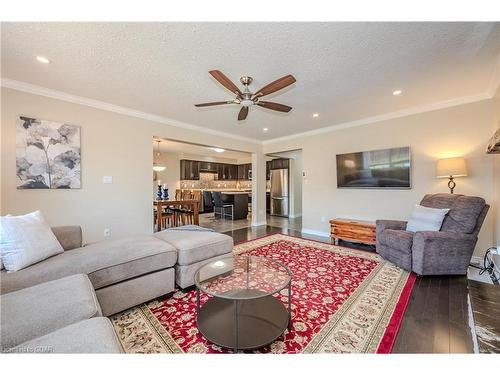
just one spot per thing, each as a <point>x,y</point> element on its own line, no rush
<point>246,98</point>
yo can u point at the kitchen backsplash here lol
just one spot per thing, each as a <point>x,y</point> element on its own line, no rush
<point>207,181</point>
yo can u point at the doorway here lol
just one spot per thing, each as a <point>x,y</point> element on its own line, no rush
<point>284,180</point>
<point>181,169</point>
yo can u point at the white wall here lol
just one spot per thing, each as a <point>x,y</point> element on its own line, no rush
<point>455,131</point>
<point>496,158</point>
<point>171,175</point>
<point>297,184</point>
<point>112,145</point>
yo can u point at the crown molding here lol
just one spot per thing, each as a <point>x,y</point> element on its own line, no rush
<point>55,94</point>
<point>384,117</point>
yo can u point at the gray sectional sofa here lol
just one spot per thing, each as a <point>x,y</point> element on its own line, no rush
<point>59,316</point>
<point>118,273</point>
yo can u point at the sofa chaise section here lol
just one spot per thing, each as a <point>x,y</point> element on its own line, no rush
<point>33,312</point>
<point>89,336</point>
<point>115,269</point>
<point>59,316</point>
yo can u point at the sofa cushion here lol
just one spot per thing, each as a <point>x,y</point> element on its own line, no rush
<point>105,263</point>
<point>464,210</point>
<point>36,311</point>
<point>26,240</point>
<point>194,246</point>
<point>397,239</point>
<point>88,336</point>
<point>70,237</point>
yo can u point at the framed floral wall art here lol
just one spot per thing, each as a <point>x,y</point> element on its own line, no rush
<point>47,154</point>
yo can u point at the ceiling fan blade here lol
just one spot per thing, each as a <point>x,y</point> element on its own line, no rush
<point>274,106</point>
<point>275,86</point>
<point>224,81</point>
<point>243,113</point>
<point>213,103</point>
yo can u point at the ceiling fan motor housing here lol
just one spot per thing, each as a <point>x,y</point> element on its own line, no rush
<point>246,80</point>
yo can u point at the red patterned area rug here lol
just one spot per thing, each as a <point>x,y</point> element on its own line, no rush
<point>343,301</point>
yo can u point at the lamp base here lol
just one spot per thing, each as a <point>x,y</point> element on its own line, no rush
<point>451,185</point>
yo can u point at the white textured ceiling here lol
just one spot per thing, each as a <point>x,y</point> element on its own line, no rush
<point>344,71</point>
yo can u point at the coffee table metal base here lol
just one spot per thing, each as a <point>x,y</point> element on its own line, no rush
<point>243,324</point>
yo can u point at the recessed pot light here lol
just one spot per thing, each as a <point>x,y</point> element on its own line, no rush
<point>397,92</point>
<point>315,115</point>
<point>216,149</point>
<point>265,129</point>
<point>43,60</point>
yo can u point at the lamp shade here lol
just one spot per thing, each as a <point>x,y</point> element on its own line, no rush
<point>451,167</point>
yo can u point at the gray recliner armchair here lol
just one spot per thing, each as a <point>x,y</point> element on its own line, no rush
<point>447,252</point>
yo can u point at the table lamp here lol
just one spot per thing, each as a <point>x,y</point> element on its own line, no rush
<point>451,168</point>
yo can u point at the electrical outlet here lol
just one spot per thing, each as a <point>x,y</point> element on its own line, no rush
<point>107,232</point>
<point>107,179</point>
<point>323,219</point>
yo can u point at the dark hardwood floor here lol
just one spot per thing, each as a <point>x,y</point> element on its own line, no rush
<point>436,319</point>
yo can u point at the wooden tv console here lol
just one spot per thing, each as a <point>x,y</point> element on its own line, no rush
<point>353,231</point>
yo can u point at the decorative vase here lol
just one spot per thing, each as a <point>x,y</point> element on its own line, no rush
<point>165,194</point>
<point>159,193</point>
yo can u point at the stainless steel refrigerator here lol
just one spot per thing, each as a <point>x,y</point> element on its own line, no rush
<point>279,192</point>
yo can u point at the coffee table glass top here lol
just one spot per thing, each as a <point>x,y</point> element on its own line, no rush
<point>242,277</point>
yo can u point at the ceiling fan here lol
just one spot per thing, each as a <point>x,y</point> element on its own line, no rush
<point>246,98</point>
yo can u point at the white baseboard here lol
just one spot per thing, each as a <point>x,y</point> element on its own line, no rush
<point>295,216</point>
<point>476,260</point>
<point>315,232</point>
<point>259,224</point>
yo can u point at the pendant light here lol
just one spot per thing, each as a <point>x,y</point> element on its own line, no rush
<point>156,166</point>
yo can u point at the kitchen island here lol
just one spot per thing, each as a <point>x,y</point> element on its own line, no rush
<point>239,200</point>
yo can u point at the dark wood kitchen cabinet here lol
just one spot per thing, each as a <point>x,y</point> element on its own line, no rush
<point>227,172</point>
<point>190,170</point>
<point>208,166</point>
<point>279,164</point>
<point>276,164</point>
<point>245,171</point>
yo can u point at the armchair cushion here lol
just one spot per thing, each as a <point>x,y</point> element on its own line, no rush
<point>437,253</point>
<point>464,210</point>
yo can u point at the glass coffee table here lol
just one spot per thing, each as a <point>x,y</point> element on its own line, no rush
<point>243,312</point>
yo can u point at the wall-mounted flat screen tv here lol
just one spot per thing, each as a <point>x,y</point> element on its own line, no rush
<point>388,168</point>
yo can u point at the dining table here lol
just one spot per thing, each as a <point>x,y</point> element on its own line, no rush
<point>160,204</point>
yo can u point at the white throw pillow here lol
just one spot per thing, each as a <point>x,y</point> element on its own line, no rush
<point>426,219</point>
<point>1,262</point>
<point>26,240</point>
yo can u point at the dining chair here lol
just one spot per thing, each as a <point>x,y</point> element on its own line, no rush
<point>189,211</point>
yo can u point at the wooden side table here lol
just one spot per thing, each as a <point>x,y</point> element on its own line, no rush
<point>353,231</point>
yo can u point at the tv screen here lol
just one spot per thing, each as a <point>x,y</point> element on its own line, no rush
<point>388,168</point>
